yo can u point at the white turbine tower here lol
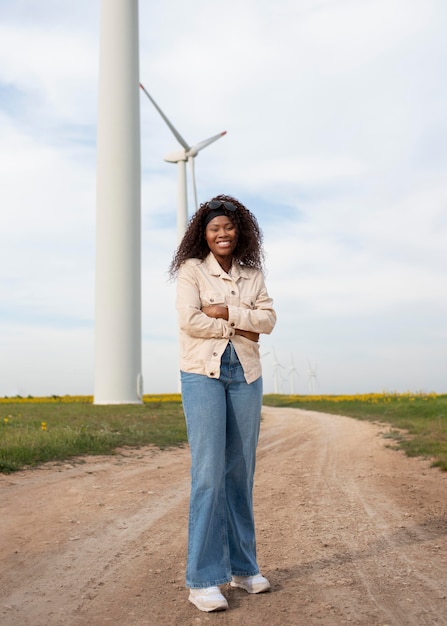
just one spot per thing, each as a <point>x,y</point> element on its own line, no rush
<point>188,153</point>
<point>292,375</point>
<point>276,372</point>
<point>118,378</point>
<point>312,376</point>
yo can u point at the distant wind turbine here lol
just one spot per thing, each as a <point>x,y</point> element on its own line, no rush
<point>276,371</point>
<point>180,157</point>
<point>292,374</point>
<point>312,376</point>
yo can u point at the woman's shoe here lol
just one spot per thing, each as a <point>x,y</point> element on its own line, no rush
<point>251,584</point>
<point>208,599</point>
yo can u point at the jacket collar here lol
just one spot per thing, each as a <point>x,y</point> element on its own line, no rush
<point>237,271</point>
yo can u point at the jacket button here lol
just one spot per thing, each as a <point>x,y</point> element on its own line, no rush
<point>232,324</point>
<point>212,374</point>
<point>233,293</point>
<point>211,299</point>
<point>214,353</point>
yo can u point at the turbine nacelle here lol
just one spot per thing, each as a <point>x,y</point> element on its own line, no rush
<point>191,153</point>
<point>175,157</point>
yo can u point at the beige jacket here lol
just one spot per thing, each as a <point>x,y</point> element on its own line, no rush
<point>203,339</point>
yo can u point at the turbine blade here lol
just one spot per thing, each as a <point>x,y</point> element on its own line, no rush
<point>203,144</point>
<point>193,176</point>
<point>174,131</point>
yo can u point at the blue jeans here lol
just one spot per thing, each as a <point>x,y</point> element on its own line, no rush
<point>222,418</point>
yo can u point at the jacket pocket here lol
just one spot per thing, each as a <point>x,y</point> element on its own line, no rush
<point>211,297</point>
<point>248,302</point>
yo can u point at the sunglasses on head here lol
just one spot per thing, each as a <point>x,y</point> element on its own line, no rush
<point>216,204</point>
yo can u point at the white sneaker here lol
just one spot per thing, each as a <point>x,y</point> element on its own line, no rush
<point>251,584</point>
<point>208,599</point>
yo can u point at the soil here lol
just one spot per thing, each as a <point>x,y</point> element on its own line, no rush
<point>349,531</point>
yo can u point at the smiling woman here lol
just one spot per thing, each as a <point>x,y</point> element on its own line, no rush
<point>223,306</point>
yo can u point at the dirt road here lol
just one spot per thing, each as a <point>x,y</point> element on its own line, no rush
<point>349,532</point>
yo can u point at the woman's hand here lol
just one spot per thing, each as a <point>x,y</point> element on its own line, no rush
<point>248,334</point>
<point>218,311</point>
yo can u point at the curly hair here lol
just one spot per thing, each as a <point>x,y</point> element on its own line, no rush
<point>248,251</point>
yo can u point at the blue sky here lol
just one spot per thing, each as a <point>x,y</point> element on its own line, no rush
<point>337,134</point>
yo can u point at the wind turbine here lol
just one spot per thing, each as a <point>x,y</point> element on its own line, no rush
<point>312,376</point>
<point>276,371</point>
<point>188,153</point>
<point>292,373</point>
<point>118,377</point>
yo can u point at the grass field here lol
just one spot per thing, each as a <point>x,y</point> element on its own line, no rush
<point>36,430</point>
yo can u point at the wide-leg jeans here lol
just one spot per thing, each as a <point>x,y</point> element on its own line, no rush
<point>222,418</point>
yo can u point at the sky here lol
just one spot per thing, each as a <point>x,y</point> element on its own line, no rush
<point>335,112</point>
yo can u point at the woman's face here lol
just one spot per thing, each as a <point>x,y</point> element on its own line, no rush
<point>221,237</point>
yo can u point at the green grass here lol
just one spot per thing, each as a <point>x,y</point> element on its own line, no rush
<point>419,421</point>
<point>35,431</point>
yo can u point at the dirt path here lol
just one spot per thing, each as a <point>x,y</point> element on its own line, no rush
<point>349,532</point>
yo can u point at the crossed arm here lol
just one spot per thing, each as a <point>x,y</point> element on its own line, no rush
<point>219,311</point>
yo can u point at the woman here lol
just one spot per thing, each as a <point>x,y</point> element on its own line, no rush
<point>222,306</point>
